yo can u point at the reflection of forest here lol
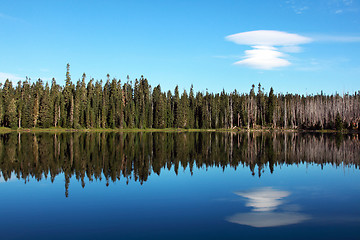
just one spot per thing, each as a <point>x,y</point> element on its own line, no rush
<point>137,155</point>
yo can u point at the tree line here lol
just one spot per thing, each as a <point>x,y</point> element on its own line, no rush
<point>135,156</point>
<point>113,104</point>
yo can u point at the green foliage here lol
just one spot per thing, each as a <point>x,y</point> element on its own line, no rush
<point>11,113</point>
<point>338,122</point>
<point>159,108</point>
<point>45,116</point>
<point>138,106</point>
<point>176,107</point>
<point>270,107</point>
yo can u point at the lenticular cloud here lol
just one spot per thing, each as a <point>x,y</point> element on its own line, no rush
<point>262,57</point>
<point>268,38</point>
<point>265,53</point>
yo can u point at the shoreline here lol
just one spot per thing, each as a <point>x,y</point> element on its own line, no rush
<point>127,130</point>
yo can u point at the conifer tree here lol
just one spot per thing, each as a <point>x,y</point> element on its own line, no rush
<point>45,114</point>
<point>9,104</point>
<point>191,112</point>
<point>11,113</point>
<point>184,110</point>
<point>1,110</point>
<point>26,115</point>
<point>37,91</point>
<point>176,107</point>
<point>261,105</point>
<point>68,93</point>
<point>270,107</point>
<point>55,97</point>
<point>169,112</point>
<point>90,105</point>
<point>19,103</point>
<point>98,103</point>
<point>159,108</point>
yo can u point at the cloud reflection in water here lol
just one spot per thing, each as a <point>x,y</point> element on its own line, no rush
<point>264,202</point>
<point>264,199</point>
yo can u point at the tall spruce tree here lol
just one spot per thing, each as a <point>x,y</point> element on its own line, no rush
<point>9,104</point>
<point>176,108</point>
<point>270,107</point>
<point>45,113</point>
<point>159,108</point>
<point>68,94</point>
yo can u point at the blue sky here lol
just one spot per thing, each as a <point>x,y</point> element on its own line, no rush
<point>187,42</point>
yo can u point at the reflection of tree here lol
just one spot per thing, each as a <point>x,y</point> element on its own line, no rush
<point>137,155</point>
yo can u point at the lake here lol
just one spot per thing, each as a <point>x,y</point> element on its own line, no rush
<point>179,186</point>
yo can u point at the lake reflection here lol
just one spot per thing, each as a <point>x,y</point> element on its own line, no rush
<point>135,156</point>
<point>179,186</point>
<point>265,202</point>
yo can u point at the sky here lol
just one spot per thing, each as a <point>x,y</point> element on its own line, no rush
<point>294,46</point>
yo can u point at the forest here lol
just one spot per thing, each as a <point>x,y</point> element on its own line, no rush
<point>136,104</point>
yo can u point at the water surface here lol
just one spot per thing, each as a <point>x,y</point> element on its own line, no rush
<point>179,186</point>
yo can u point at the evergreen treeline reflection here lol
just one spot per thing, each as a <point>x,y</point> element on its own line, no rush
<point>134,156</point>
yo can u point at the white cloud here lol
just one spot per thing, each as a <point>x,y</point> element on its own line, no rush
<point>12,77</point>
<point>268,38</point>
<point>264,199</point>
<point>264,54</point>
<point>262,57</point>
<point>265,213</point>
<point>268,219</point>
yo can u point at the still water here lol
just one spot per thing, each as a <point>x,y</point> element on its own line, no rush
<point>179,186</point>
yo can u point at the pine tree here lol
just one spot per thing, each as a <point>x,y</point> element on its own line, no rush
<point>55,92</point>
<point>169,112</point>
<point>251,108</point>
<point>37,91</point>
<point>83,101</point>
<point>9,104</point>
<point>129,110</point>
<point>91,105</point>
<point>184,110</point>
<point>77,103</point>
<point>159,108</point>
<point>98,103</point>
<point>191,112</point>
<point>270,107</point>
<point>261,106</point>
<point>338,122</point>
<point>68,93</point>
<point>19,103</point>
<point>45,114</point>
<point>27,104</point>
<point>11,113</point>
<point>176,108</point>
<point>1,110</point>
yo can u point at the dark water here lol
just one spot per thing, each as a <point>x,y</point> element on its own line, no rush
<point>179,186</point>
